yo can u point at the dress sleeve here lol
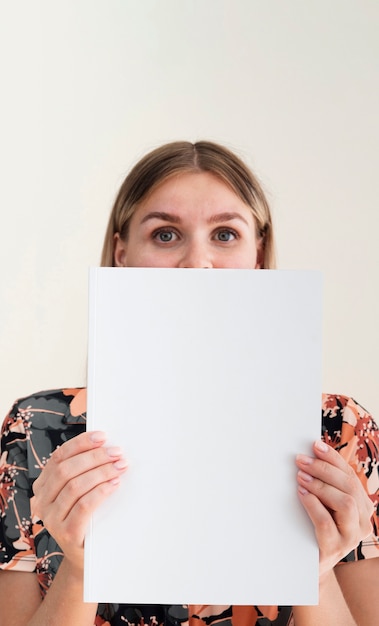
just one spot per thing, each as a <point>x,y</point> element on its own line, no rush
<point>351,430</point>
<point>16,532</point>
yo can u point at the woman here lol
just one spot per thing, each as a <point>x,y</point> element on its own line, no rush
<point>183,205</point>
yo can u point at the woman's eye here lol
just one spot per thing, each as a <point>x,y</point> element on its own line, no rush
<point>225,235</point>
<point>165,236</point>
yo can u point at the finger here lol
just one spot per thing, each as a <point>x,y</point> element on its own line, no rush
<point>62,472</point>
<point>343,479</point>
<point>72,449</point>
<point>327,535</point>
<point>81,443</point>
<point>67,474</point>
<point>332,487</point>
<point>320,516</point>
<point>330,467</point>
<point>69,533</point>
<point>76,522</point>
<point>351,513</point>
<point>333,544</point>
<point>326,453</point>
<point>75,489</point>
<point>344,505</point>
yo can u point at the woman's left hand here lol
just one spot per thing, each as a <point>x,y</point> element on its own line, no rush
<point>335,501</point>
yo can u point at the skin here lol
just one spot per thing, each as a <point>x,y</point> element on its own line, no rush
<point>192,220</point>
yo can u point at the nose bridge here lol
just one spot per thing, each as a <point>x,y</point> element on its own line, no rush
<point>196,254</point>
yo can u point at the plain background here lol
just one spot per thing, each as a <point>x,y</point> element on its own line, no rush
<point>88,86</point>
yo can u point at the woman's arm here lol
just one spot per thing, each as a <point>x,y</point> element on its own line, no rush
<point>21,603</point>
<point>359,582</point>
<point>331,610</point>
<point>348,597</point>
<point>20,597</point>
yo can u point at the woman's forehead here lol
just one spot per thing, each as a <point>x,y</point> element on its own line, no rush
<point>195,191</point>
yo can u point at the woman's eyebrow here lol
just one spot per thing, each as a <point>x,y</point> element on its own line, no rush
<point>160,215</point>
<point>226,217</point>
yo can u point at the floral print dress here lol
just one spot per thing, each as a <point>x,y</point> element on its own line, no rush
<point>36,425</point>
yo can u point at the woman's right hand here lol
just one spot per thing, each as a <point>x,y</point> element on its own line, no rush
<point>78,477</point>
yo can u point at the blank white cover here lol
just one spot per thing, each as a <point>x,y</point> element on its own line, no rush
<point>210,382</point>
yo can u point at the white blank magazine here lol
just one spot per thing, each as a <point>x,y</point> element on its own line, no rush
<point>210,380</point>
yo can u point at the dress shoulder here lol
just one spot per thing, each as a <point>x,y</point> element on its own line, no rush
<point>347,425</point>
<point>33,428</point>
<point>349,428</point>
<point>46,408</point>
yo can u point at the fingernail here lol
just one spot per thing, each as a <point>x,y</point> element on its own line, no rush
<point>121,464</point>
<point>305,476</point>
<point>115,481</point>
<point>114,451</point>
<point>304,459</point>
<point>321,446</point>
<point>98,436</point>
<point>302,491</point>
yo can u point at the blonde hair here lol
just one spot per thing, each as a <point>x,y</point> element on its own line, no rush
<point>182,157</point>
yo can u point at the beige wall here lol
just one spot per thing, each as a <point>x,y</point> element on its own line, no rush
<point>88,86</point>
